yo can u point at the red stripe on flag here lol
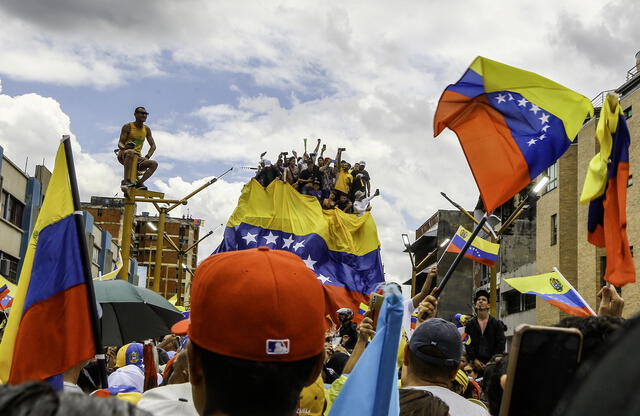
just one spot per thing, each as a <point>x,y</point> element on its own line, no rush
<point>336,297</point>
<point>53,336</point>
<point>571,310</point>
<point>498,166</point>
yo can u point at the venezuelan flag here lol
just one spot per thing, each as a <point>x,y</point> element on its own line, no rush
<point>342,249</point>
<point>480,250</point>
<point>555,289</point>
<point>511,124</point>
<point>50,326</point>
<point>5,299</point>
<point>605,188</point>
<point>364,308</point>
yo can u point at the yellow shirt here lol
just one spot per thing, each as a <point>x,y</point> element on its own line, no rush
<point>343,181</point>
<point>138,136</point>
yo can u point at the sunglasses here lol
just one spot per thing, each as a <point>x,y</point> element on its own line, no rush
<point>142,112</point>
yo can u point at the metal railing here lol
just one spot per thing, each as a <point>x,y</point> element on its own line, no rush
<point>632,72</point>
<point>598,100</point>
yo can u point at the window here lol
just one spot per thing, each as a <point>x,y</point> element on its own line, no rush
<point>99,212</point>
<point>9,267</point>
<point>628,112</point>
<point>603,269</point>
<point>554,229</point>
<point>552,173</point>
<point>529,302</point>
<point>12,209</point>
<point>96,254</point>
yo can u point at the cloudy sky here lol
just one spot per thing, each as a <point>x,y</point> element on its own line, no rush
<point>224,81</point>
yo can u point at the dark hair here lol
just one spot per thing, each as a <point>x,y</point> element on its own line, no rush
<point>421,403</point>
<point>39,399</point>
<point>243,387</point>
<point>481,292</point>
<point>491,388</point>
<point>427,370</point>
<point>139,109</point>
<point>334,367</point>
<point>595,331</point>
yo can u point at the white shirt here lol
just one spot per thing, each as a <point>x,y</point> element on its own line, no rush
<point>172,399</point>
<point>458,405</point>
<point>406,317</point>
<point>360,207</point>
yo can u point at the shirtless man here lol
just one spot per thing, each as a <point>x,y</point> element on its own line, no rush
<point>132,138</point>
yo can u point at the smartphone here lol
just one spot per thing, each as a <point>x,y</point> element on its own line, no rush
<point>542,363</point>
<point>375,304</point>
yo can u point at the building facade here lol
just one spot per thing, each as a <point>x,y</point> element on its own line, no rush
<point>562,221</point>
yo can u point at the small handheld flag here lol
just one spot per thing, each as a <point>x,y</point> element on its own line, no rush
<point>364,308</point>
<point>512,125</point>
<point>480,250</point>
<point>555,289</point>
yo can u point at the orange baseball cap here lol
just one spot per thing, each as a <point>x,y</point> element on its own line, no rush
<point>257,304</point>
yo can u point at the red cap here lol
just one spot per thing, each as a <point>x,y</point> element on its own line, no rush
<point>257,304</point>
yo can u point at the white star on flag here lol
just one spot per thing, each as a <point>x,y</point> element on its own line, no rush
<point>309,262</point>
<point>248,238</point>
<point>542,137</point>
<point>546,126</point>
<point>523,102</point>
<point>271,238</point>
<point>544,118</point>
<point>510,96</point>
<point>534,108</point>
<point>532,141</point>
<point>323,279</point>
<point>287,242</point>
<point>501,98</point>
<point>298,245</point>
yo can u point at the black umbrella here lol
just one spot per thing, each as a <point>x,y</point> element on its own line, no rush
<point>131,313</point>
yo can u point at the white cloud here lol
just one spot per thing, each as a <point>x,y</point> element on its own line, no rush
<point>31,126</point>
<point>376,71</point>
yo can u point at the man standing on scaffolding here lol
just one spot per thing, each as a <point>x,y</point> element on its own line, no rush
<point>132,138</point>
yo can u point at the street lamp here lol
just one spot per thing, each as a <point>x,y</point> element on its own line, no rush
<point>153,227</point>
<point>444,243</point>
<point>405,240</point>
<point>541,183</point>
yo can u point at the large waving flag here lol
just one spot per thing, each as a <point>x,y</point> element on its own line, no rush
<point>342,249</point>
<point>512,125</point>
<point>555,289</point>
<point>605,187</point>
<point>480,250</point>
<point>372,386</point>
<point>52,323</point>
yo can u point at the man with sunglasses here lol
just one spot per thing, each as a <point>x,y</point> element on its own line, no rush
<point>132,137</point>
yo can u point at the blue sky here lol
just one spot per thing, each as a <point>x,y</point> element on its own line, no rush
<point>224,81</point>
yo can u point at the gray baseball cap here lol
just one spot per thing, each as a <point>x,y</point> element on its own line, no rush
<point>441,335</point>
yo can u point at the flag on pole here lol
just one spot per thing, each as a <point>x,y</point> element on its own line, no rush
<point>555,289</point>
<point>364,308</point>
<point>50,326</point>
<point>372,386</point>
<point>512,125</point>
<point>5,299</point>
<point>481,251</point>
<point>605,188</point>
<point>342,249</point>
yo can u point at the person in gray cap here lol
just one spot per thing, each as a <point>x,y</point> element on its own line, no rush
<point>431,362</point>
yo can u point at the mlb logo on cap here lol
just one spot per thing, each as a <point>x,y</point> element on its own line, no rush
<point>277,346</point>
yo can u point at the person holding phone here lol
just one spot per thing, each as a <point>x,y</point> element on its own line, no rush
<point>485,331</point>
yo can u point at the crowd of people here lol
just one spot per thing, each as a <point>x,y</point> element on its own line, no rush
<point>266,347</point>
<point>335,183</point>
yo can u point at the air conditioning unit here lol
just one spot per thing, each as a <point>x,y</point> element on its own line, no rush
<point>4,267</point>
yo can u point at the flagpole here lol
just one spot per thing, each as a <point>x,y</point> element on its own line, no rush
<point>460,255</point>
<point>576,292</point>
<point>102,368</point>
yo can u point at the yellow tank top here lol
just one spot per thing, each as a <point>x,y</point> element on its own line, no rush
<point>137,136</point>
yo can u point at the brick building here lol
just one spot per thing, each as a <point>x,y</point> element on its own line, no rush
<point>562,221</point>
<point>108,213</point>
<point>184,232</point>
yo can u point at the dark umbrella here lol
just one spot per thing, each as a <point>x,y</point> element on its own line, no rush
<point>131,313</point>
